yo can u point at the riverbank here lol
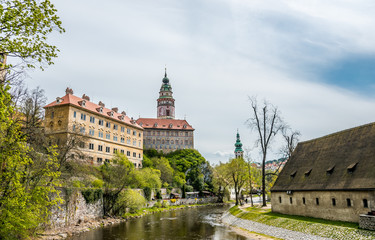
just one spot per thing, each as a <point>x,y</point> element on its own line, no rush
<point>281,226</point>
<point>65,232</point>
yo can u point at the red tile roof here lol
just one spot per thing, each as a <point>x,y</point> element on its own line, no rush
<point>93,107</point>
<point>164,123</point>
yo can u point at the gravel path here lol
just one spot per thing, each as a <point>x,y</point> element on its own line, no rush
<point>266,229</point>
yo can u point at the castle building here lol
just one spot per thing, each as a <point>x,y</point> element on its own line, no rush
<point>238,152</point>
<point>166,133</point>
<point>102,132</point>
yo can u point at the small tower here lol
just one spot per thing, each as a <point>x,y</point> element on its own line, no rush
<point>238,152</point>
<point>165,101</point>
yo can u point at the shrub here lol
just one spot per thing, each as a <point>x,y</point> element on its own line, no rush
<point>173,200</point>
<point>157,204</point>
<point>92,195</point>
<point>77,184</point>
<point>97,183</point>
<point>129,199</point>
<point>165,204</point>
<point>147,192</point>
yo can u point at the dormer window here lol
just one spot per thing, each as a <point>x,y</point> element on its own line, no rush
<point>82,103</point>
<point>184,125</point>
<point>110,113</point>
<point>330,170</point>
<point>307,173</point>
<point>100,109</point>
<point>170,125</point>
<point>293,174</point>
<point>352,167</point>
<point>155,124</point>
<point>59,100</point>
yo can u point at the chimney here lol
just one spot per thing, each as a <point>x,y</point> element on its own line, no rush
<point>86,97</point>
<point>101,104</point>
<point>69,91</point>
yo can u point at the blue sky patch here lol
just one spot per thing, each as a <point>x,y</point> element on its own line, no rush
<point>356,73</point>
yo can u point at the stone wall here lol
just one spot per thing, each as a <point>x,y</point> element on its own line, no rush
<point>292,203</point>
<point>74,210</point>
<point>367,222</point>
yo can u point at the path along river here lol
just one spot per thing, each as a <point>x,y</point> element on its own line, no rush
<point>188,223</point>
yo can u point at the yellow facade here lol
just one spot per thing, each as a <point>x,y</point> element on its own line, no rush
<point>100,135</point>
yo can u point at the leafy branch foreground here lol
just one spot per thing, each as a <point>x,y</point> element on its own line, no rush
<point>308,225</point>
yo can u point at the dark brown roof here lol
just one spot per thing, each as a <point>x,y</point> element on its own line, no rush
<point>155,123</point>
<point>340,161</point>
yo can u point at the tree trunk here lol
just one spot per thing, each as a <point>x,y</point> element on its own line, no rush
<point>264,180</point>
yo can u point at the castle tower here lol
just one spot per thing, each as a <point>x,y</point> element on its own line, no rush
<point>238,152</point>
<point>165,100</point>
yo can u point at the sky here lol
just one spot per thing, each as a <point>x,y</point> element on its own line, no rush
<point>313,59</point>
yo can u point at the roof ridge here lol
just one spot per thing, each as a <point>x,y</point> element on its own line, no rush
<point>338,133</point>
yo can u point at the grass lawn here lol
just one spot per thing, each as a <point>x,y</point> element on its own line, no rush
<point>320,227</point>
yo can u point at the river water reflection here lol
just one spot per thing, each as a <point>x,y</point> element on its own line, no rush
<point>188,223</point>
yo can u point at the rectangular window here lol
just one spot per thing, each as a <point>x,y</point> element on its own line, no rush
<point>139,155</point>
<point>108,124</point>
<point>74,128</point>
<point>92,119</point>
<point>139,143</point>
<point>122,151</point>
<point>128,131</point>
<point>134,154</point>
<point>83,117</point>
<point>317,201</point>
<point>304,201</point>
<point>99,160</point>
<point>123,140</point>
<point>122,129</point>
<point>134,143</point>
<point>348,202</point>
<point>52,114</point>
<point>91,132</point>
<point>365,203</point>
<point>128,141</point>
<point>135,133</point>
<point>291,200</point>
<point>139,135</point>
<point>115,150</point>
<point>115,138</point>
<point>91,146</point>
<point>82,129</point>
<point>115,126</point>
<point>81,144</point>
<point>101,122</point>
<point>108,136</point>
<point>128,153</point>
<point>100,134</point>
<point>107,160</point>
<point>333,201</point>
<point>100,148</point>
<point>74,114</point>
<point>107,149</point>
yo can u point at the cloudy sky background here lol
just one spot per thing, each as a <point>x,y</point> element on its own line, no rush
<point>313,59</point>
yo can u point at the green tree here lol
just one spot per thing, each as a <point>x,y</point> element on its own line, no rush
<point>27,186</point>
<point>24,26</point>
<point>116,178</point>
<point>237,169</point>
<point>166,171</point>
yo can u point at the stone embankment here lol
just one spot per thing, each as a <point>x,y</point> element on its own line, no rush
<point>277,232</point>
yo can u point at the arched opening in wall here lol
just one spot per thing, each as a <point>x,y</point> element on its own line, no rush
<point>168,113</point>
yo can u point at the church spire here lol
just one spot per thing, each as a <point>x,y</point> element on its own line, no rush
<point>238,152</point>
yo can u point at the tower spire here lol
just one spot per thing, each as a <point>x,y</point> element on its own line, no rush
<point>238,152</point>
<point>165,108</point>
<point>165,74</point>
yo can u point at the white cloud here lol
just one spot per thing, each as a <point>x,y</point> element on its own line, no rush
<point>217,53</point>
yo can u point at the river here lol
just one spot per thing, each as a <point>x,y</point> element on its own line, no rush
<point>188,223</point>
